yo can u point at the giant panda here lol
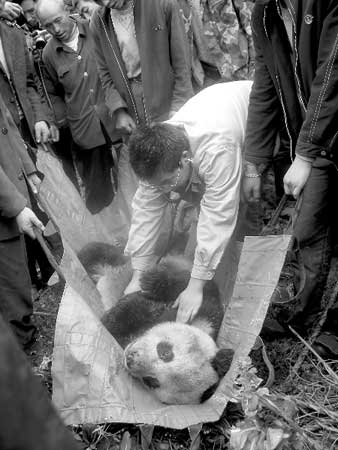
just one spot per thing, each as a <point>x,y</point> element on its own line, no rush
<point>179,363</point>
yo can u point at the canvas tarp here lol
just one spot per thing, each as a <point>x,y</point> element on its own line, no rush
<point>90,384</point>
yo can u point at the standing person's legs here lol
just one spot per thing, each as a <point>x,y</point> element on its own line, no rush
<point>95,169</point>
<point>15,289</point>
<point>63,150</point>
<point>127,185</point>
<point>313,233</point>
<point>280,163</point>
<point>35,254</point>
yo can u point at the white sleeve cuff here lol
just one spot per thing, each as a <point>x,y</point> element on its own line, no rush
<point>202,273</point>
<point>143,262</point>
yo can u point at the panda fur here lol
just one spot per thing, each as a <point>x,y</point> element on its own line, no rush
<point>179,363</point>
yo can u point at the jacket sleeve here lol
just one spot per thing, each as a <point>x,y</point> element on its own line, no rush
<point>221,171</point>
<point>27,162</point>
<point>54,90</point>
<point>113,99</point>
<point>319,131</point>
<point>149,209</point>
<point>40,109</point>
<point>179,55</point>
<point>263,113</point>
<point>11,200</point>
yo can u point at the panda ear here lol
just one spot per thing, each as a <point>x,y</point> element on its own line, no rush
<point>151,382</point>
<point>208,393</point>
<point>222,361</point>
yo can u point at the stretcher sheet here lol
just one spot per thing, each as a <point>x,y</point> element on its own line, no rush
<point>90,384</point>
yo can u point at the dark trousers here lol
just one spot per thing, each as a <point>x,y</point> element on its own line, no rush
<point>94,167</point>
<point>35,254</point>
<point>314,230</point>
<point>249,221</point>
<point>15,289</point>
<point>28,419</point>
<point>63,150</point>
<point>281,163</point>
<point>90,170</point>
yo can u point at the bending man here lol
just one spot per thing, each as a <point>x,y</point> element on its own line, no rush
<point>197,154</point>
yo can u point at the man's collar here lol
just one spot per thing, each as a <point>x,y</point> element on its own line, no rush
<point>195,181</point>
<point>81,24</point>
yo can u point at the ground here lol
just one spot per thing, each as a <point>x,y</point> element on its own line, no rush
<point>301,380</point>
<point>45,313</point>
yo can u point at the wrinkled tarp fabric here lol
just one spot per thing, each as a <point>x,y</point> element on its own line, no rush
<point>90,384</point>
<point>68,211</point>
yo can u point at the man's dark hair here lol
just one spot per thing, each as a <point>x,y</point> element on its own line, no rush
<point>156,147</point>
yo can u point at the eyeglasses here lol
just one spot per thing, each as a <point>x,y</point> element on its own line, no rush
<point>174,185</point>
<point>166,187</point>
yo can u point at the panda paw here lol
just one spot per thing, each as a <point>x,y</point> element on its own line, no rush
<point>222,361</point>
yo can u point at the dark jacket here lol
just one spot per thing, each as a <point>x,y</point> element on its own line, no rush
<point>74,87</point>
<point>21,71</point>
<point>294,92</point>
<point>14,165</point>
<point>166,74</point>
<point>26,410</point>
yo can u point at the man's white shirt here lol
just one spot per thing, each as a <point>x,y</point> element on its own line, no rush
<point>215,122</point>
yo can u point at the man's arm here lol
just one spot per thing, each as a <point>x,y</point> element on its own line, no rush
<point>149,208</point>
<point>40,109</point>
<point>114,100</point>
<point>179,56</point>
<point>11,200</point>
<point>220,170</point>
<point>263,114</point>
<point>54,90</point>
<point>318,135</point>
<point>221,173</point>
<point>262,125</point>
<point>13,205</point>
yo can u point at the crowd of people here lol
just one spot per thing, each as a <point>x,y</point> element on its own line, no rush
<point>200,97</point>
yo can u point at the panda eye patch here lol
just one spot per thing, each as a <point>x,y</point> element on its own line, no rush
<point>151,382</point>
<point>165,351</point>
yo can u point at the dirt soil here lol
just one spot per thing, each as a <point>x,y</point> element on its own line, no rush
<point>45,313</point>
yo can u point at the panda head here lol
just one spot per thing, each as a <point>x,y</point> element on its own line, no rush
<point>177,362</point>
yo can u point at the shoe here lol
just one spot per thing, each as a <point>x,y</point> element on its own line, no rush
<point>272,330</point>
<point>285,290</point>
<point>326,345</point>
<point>27,346</point>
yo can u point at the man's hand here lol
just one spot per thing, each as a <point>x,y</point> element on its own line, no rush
<point>171,113</point>
<point>251,189</point>
<point>36,49</point>
<point>41,132</point>
<point>134,284</point>
<point>297,176</point>
<point>190,300</point>
<point>34,182</point>
<point>251,185</point>
<point>54,133</point>
<point>26,220</point>
<point>124,122</point>
<point>11,11</point>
